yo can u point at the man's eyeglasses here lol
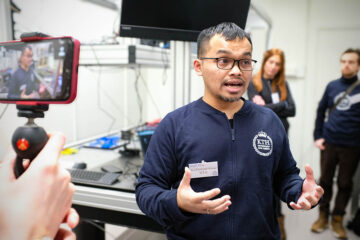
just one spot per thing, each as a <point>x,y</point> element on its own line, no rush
<point>228,63</point>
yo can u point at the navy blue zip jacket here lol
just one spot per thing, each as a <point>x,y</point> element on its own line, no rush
<point>343,124</point>
<point>20,79</point>
<point>254,160</point>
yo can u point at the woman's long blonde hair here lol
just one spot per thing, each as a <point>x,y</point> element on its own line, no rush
<point>279,79</point>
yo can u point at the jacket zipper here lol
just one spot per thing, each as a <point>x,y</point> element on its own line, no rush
<point>232,130</point>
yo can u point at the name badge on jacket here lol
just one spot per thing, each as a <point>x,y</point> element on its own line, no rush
<point>275,97</point>
<point>204,169</point>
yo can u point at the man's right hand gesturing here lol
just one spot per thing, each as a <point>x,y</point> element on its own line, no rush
<point>199,202</point>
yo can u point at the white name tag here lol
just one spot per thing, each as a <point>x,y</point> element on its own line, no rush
<point>204,169</point>
<point>275,97</point>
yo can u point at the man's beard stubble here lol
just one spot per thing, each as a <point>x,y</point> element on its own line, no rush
<point>225,99</point>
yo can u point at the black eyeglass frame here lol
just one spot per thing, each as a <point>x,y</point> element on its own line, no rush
<point>234,60</point>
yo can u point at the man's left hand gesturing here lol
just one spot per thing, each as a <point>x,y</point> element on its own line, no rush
<point>311,192</point>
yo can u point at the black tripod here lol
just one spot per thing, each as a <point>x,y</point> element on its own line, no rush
<point>28,140</point>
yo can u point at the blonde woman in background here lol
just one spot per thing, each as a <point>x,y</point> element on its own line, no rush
<point>269,89</point>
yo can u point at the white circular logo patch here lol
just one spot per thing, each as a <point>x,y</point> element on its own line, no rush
<point>345,103</point>
<point>263,144</point>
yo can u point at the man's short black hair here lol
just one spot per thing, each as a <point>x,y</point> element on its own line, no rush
<point>24,48</point>
<point>352,50</point>
<point>228,30</point>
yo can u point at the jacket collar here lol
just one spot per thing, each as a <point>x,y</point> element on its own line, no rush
<point>349,80</point>
<point>206,108</point>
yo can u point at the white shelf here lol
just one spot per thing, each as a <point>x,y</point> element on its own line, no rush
<point>123,55</point>
<point>106,199</point>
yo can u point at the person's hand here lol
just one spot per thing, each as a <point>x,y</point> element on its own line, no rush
<point>319,143</point>
<point>32,95</point>
<point>194,202</point>
<point>35,204</point>
<point>65,234</point>
<point>72,219</point>
<point>42,88</point>
<point>257,99</point>
<point>311,192</point>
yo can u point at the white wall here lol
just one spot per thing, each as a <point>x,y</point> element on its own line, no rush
<point>81,19</point>
<point>5,20</point>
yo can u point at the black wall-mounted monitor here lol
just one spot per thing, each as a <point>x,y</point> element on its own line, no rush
<point>178,19</point>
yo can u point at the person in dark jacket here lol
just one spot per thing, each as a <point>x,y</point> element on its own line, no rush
<point>269,88</point>
<point>338,138</point>
<point>212,166</point>
<point>23,82</point>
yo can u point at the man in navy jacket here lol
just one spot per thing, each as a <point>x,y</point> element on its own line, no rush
<point>23,82</point>
<point>212,166</point>
<point>338,138</point>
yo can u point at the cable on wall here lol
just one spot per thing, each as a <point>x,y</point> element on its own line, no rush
<point>149,93</point>
<point>110,98</point>
<point>165,61</point>
<point>136,86</point>
<point>113,119</point>
<point>3,112</point>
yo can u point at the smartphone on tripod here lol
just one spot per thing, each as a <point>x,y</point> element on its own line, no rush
<point>39,70</point>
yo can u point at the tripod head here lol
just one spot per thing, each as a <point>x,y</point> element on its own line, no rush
<point>28,140</point>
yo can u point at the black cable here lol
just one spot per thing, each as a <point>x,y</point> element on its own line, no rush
<point>3,112</point>
<point>151,97</point>
<point>116,31</point>
<point>113,119</point>
<point>111,69</point>
<point>139,100</point>
<point>130,168</point>
<point>165,61</point>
